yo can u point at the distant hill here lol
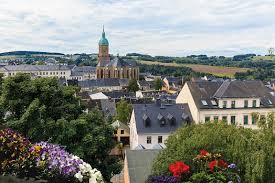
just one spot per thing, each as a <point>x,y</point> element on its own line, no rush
<point>17,53</point>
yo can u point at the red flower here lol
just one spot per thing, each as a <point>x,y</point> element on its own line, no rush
<point>212,164</point>
<point>222,164</point>
<point>179,168</point>
<point>203,152</point>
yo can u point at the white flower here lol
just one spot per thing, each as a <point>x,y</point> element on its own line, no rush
<point>92,179</point>
<point>79,176</point>
<point>81,167</point>
<point>75,157</point>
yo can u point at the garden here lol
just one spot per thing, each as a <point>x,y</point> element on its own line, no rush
<point>42,161</point>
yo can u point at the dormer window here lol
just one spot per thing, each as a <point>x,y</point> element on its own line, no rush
<point>161,119</point>
<point>146,121</point>
<point>171,119</point>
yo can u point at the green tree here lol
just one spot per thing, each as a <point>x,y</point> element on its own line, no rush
<point>251,150</point>
<point>124,111</point>
<point>43,110</point>
<point>133,86</point>
<point>158,84</point>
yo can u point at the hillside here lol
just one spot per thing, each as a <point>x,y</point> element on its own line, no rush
<point>22,53</point>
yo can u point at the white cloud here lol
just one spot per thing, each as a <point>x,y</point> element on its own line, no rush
<point>158,27</point>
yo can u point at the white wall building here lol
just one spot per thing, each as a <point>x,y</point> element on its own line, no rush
<point>230,101</point>
<point>60,71</point>
<point>151,124</point>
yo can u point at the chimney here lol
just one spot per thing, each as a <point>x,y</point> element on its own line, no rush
<point>158,102</point>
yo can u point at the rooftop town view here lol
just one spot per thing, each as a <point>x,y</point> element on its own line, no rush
<point>167,92</point>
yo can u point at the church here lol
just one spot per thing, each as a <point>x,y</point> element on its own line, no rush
<point>116,67</point>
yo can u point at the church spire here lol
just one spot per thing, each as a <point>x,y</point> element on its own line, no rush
<point>103,32</point>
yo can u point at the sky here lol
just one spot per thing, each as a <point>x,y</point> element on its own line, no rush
<point>156,27</point>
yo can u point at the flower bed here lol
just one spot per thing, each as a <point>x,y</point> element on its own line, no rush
<point>42,160</point>
<point>206,168</point>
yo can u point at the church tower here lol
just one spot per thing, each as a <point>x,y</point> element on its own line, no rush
<point>103,46</point>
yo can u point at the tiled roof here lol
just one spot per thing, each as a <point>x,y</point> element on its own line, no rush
<point>26,67</point>
<point>139,163</point>
<point>103,82</point>
<point>154,111</point>
<point>207,91</point>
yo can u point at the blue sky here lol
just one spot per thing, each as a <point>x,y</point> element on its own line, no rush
<point>157,27</point>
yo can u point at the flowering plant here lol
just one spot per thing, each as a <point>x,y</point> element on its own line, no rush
<point>56,161</point>
<point>14,154</point>
<point>42,160</point>
<point>206,167</point>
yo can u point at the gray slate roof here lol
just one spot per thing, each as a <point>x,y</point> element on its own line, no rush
<point>211,90</point>
<point>26,67</point>
<point>153,111</point>
<point>140,164</point>
<point>103,82</point>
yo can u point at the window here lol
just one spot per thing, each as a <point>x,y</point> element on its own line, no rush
<point>159,139</point>
<point>115,131</point>
<point>245,119</point>
<point>149,139</point>
<point>246,104</point>
<point>216,118</point>
<point>204,102</point>
<point>224,118</point>
<point>207,119</point>
<point>254,103</point>
<point>121,131</point>
<point>233,120</point>
<point>224,104</point>
<point>254,120</point>
<point>233,104</point>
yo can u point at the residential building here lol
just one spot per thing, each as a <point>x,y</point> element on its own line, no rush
<point>146,85</point>
<point>122,132</point>
<point>60,71</point>
<point>151,124</point>
<point>114,68</point>
<point>83,73</point>
<point>230,101</point>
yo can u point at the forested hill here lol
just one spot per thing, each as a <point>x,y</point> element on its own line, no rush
<point>29,53</point>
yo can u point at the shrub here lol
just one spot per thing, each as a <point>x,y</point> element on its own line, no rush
<point>253,151</point>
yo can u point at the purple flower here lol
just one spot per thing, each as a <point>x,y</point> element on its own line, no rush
<point>162,179</point>
<point>232,166</point>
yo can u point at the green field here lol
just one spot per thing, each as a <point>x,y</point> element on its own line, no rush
<point>215,70</point>
<point>263,58</point>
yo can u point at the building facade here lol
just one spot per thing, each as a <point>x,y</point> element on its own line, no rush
<point>114,68</point>
<point>151,124</point>
<point>231,101</point>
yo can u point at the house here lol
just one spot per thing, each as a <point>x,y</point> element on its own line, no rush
<point>122,132</point>
<point>118,95</point>
<point>83,73</point>
<point>151,124</point>
<point>138,165</point>
<point>146,85</point>
<point>173,84</point>
<point>230,101</point>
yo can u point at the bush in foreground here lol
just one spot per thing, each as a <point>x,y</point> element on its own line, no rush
<point>252,151</point>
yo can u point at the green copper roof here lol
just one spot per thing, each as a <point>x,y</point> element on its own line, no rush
<point>103,40</point>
